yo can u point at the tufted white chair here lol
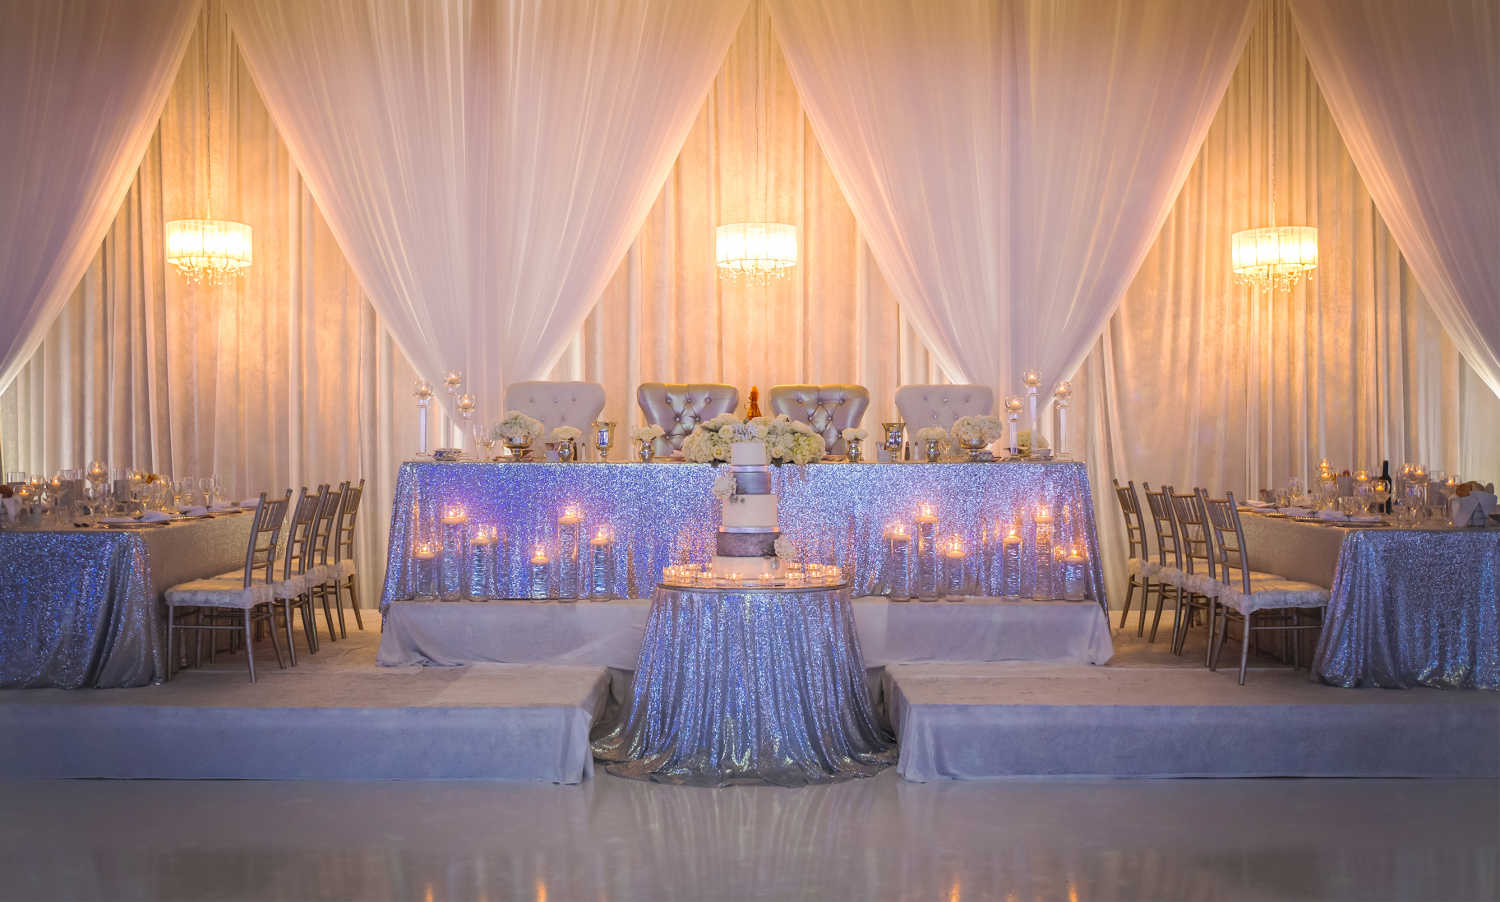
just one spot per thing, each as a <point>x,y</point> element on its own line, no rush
<point>678,407</point>
<point>827,408</point>
<point>939,405</point>
<point>576,404</point>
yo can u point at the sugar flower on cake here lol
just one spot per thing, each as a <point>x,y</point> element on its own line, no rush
<point>517,427</point>
<point>977,430</point>
<point>854,433</point>
<point>648,433</point>
<point>785,548</point>
<point>724,487</point>
<point>565,434</point>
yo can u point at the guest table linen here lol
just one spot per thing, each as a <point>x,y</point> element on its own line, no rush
<point>659,512</point>
<point>1408,607</point>
<point>748,685</point>
<point>609,634</point>
<point>81,607</point>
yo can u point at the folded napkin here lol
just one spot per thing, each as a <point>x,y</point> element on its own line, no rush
<point>1256,503</point>
<point>1295,511</point>
<point>196,510</point>
<point>147,517</point>
<point>118,521</point>
<point>155,517</point>
<point>1335,516</point>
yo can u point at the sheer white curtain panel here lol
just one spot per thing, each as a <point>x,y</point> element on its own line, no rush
<point>484,165</point>
<point>1415,90</point>
<point>82,83</point>
<point>1010,162</point>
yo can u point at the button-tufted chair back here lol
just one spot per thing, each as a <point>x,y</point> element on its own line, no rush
<point>940,405</point>
<point>678,407</point>
<point>827,408</point>
<point>576,404</point>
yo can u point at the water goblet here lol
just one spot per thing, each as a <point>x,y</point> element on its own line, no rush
<point>1381,489</point>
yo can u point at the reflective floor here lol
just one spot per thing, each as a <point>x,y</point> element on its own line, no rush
<point>611,839</point>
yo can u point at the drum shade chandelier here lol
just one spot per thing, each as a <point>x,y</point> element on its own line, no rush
<point>1273,257</point>
<point>210,251</point>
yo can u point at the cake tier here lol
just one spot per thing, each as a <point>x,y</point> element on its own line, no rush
<point>749,511</point>
<point>747,544</point>
<point>748,454</point>
<point>744,567</point>
<point>751,480</point>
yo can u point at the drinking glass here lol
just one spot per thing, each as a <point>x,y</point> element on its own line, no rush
<point>1381,489</point>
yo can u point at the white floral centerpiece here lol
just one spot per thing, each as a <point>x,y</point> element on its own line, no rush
<point>786,440</point>
<point>649,433</point>
<point>516,429</point>
<point>854,434</point>
<point>977,430</point>
<point>565,434</point>
<point>932,434</point>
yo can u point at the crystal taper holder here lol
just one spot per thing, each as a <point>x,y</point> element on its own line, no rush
<point>423,393</point>
<point>1062,397</point>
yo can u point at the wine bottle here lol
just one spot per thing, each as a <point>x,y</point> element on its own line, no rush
<point>1385,473</point>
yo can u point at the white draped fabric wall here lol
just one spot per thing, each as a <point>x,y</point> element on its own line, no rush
<point>484,165</point>
<point>289,377</point>
<point>281,378</point>
<point>1010,162</point>
<point>667,316</point>
<point>82,83</point>
<point>1199,382</point>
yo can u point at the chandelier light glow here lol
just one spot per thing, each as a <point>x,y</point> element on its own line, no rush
<point>756,252</point>
<point>208,250</point>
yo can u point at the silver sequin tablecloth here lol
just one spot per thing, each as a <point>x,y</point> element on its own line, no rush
<point>80,608</point>
<point>1409,607</point>
<point>758,685</point>
<point>660,511</point>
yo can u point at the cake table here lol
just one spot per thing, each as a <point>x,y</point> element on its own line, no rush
<point>748,685</point>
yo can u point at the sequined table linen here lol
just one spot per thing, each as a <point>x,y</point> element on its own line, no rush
<point>748,686</point>
<point>659,512</point>
<point>1408,607</point>
<point>80,608</point>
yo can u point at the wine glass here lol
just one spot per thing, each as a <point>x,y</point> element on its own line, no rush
<point>484,441</point>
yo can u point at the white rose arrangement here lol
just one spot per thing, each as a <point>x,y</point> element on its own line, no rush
<point>724,487</point>
<point>786,441</point>
<point>854,433</point>
<point>977,429</point>
<point>565,434</point>
<point>647,433</point>
<point>517,427</point>
<point>932,434</point>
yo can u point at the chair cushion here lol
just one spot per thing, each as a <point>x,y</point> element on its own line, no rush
<point>226,590</point>
<point>576,404</point>
<point>940,405</point>
<point>1267,591</point>
<point>679,407</point>
<point>828,409</point>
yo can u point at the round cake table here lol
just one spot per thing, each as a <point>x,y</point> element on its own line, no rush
<point>748,686</point>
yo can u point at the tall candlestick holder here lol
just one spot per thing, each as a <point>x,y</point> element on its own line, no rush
<point>1062,397</point>
<point>602,564</point>
<point>422,391</point>
<point>1043,521</point>
<point>1033,382</point>
<point>898,562</point>
<point>1012,415</point>
<point>927,554</point>
<point>453,383</point>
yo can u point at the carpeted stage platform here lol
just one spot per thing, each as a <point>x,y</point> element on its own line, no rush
<point>1147,714</point>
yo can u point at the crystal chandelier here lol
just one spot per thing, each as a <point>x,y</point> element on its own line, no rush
<point>210,251</point>
<point>755,252</point>
<point>1274,257</point>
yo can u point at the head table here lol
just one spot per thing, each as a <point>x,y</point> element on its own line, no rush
<point>469,529</point>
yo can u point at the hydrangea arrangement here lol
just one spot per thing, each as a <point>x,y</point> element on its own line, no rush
<point>786,440</point>
<point>854,433</point>
<point>516,428</point>
<point>565,434</point>
<point>932,434</point>
<point>977,430</point>
<point>648,433</point>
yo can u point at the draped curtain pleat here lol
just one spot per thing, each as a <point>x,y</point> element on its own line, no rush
<point>484,165</point>
<point>1010,163</point>
<point>1200,382</point>
<point>82,83</point>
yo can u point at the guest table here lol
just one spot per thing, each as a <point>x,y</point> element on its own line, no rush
<point>81,607</point>
<point>655,514</point>
<point>1408,607</point>
<point>739,685</point>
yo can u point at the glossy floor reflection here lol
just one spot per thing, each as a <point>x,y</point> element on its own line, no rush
<point>612,839</point>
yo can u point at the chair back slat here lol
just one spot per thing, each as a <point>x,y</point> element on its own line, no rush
<point>327,523</point>
<point>265,535</point>
<point>1168,551</point>
<point>343,545</point>
<point>1229,537</point>
<point>299,534</point>
<point>1193,532</point>
<point>1135,524</point>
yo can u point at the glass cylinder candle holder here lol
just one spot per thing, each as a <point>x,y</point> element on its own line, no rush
<point>1043,521</point>
<point>955,569</point>
<point>569,534</point>
<point>602,564</point>
<point>1075,565</point>
<point>1010,563</point>
<point>927,553</point>
<point>539,573</point>
<point>423,553</point>
<point>898,562</point>
<point>484,547</point>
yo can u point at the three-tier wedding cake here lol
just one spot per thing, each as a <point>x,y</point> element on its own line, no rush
<point>747,538</point>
